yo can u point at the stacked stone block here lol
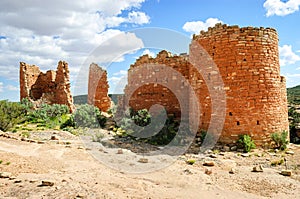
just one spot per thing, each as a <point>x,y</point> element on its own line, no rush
<point>157,80</point>
<point>248,61</point>
<point>52,87</point>
<point>98,88</point>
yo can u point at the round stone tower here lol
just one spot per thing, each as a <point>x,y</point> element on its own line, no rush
<point>248,62</point>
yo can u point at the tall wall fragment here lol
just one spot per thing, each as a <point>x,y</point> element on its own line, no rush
<point>98,88</point>
<point>52,87</point>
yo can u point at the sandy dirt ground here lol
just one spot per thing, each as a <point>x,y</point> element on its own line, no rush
<point>70,169</point>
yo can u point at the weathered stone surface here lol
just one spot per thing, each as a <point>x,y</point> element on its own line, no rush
<point>286,172</point>
<point>258,169</point>
<point>52,87</point>
<point>213,156</point>
<point>247,59</point>
<point>143,160</point>
<point>290,152</point>
<point>5,175</point>
<point>208,171</point>
<point>47,183</point>
<point>232,171</point>
<point>245,155</point>
<point>209,163</point>
<point>98,88</point>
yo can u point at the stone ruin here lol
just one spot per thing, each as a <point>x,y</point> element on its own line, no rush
<point>247,59</point>
<point>98,88</point>
<point>52,87</point>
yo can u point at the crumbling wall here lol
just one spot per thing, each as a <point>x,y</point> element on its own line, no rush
<point>52,87</point>
<point>247,59</point>
<point>149,83</point>
<point>98,88</point>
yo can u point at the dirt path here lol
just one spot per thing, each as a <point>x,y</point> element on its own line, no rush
<point>77,174</point>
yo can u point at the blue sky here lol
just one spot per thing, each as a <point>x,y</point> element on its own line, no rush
<point>48,31</point>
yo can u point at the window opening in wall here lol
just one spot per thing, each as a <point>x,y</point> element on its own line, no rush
<point>238,123</point>
<point>257,122</point>
<point>230,113</point>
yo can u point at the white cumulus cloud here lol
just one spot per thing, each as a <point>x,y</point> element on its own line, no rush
<point>287,56</point>
<point>44,32</point>
<point>195,27</point>
<point>148,52</point>
<point>281,8</point>
<point>118,82</point>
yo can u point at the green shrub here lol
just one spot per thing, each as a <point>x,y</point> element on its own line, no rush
<point>166,134</point>
<point>47,112</point>
<point>203,134</point>
<point>88,116</point>
<point>191,161</point>
<point>112,110</point>
<point>70,122</point>
<point>28,105</point>
<point>280,140</point>
<point>277,162</point>
<point>11,113</point>
<point>98,137</point>
<point>246,143</point>
<point>101,120</point>
<point>142,118</point>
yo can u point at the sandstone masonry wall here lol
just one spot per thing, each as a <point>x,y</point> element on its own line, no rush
<point>98,88</point>
<point>247,59</point>
<point>52,87</point>
<point>152,75</point>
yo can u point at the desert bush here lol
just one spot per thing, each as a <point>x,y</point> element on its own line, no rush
<point>70,122</point>
<point>88,116</point>
<point>101,120</point>
<point>191,161</point>
<point>166,134</point>
<point>47,112</point>
<point>246,143</point>
<point>11,113</point>
<point>280,140</point>
<point>28,105</point>
<point>98,137</point>
<point>141,118</point>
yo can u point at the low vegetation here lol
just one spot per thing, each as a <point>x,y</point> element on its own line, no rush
<point>11,113</point>
<point>131,124</point>
<point>280,140</point>
<point>22,117</point>
<point>85,116</point>
<point>246,143</point>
